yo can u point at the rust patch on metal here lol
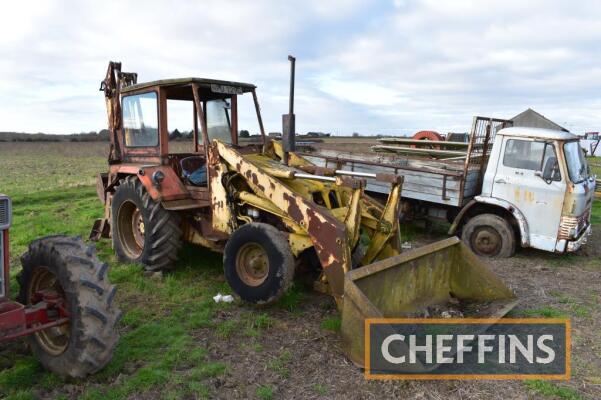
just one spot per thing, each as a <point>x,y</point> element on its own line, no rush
<point>293,210</point>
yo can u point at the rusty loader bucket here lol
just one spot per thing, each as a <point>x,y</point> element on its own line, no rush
<point>407,285</point>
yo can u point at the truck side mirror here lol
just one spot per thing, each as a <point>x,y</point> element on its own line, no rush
<point>549,169</point>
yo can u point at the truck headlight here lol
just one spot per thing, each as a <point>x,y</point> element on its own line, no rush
<point>572,233</point>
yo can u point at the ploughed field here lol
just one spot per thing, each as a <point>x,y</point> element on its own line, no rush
<point>177,343</point>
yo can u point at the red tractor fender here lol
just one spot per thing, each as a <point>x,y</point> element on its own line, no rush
<point>170,187</point>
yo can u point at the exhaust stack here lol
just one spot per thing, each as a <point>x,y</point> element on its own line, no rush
<point>288,120</point>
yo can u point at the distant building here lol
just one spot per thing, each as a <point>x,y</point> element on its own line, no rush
<point>463,137</point>
<point>532,119</point>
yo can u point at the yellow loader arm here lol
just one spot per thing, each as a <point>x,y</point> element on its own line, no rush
<point>333,228</point>
<point>383,283</point>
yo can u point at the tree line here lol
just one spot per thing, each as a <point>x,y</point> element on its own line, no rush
<point>102,136</point>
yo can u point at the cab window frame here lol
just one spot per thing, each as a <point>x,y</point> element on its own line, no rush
<point>158,116</point>
<point>546,144</point>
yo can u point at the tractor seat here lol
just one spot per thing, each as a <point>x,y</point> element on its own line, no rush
<point>194,170</point>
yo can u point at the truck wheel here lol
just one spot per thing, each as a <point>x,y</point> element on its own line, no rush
<point>489,235</point>
<point>258,263</point>
<point>143,231</point>
<point>67,268</point>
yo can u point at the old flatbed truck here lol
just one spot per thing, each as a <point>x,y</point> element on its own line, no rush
<point>525,186</point>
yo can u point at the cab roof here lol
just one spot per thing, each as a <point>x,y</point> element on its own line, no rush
<point>538,133</point>
<point>238,86</point>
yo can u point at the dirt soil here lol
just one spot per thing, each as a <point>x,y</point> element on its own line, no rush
<point>302,360</point>
<point>317,356</point>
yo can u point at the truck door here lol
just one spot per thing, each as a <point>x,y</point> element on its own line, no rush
<point>519,181</point>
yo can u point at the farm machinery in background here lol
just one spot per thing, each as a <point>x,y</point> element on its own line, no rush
<point>66,303</point>
<point>427,144</point>
<point>267,209</point>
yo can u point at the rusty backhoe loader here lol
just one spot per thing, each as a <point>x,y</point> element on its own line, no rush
<point>266,208</point>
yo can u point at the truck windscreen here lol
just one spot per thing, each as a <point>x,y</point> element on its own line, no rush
<point>577,166</point>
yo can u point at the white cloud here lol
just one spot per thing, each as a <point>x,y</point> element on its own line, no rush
<point>362,66</point>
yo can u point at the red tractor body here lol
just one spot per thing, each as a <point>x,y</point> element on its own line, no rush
<point>65,305</point>
<point>16,319</point>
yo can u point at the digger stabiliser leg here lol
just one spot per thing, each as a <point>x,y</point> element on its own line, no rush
<point>388,225</point>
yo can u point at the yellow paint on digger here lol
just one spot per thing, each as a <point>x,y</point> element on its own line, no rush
<point>408,284</point>
<point>329,215</point>
<point>333,216</point>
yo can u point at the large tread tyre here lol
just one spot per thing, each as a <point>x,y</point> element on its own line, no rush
<point>143,231</point>
<point>489,235</point>
<point>429,136</point>
<point>67,266</point>
<point>258,263</point>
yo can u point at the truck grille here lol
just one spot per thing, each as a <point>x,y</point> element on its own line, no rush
<point>4,212</point>
<point>577,223</point>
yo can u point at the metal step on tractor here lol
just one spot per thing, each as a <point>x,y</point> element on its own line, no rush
<point>65,305</point>
<point>264,207</point>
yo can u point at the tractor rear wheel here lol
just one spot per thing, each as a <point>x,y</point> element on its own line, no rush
<point>258,263</point>
<point>143,231</point>
<point>489,235</point>
<point>66,268</point>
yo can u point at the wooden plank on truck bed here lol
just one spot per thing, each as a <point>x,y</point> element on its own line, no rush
<point>423,178</point>
<point>418,142</point>
<point>411,150</point>
<point>389,160</point>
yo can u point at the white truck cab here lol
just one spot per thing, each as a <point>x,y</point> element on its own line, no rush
<point>541,177</point>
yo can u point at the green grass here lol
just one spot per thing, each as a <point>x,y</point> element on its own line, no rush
<point>332,323</point>
<point>595,164</point>
<point>265,392</point>
<point>596,213</point>
<point>547,388</point>
<point>156,336</point>
<point>53,192</point>
<point>291,299</point>
<point>546,312</point>
<point>576,307</point>
<point>320,389</point>
<point>21,395</point>
<point>21,376</point>
<point>257,323</point>
<point>280,364</point>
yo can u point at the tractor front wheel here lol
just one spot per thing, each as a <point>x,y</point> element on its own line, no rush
<point>143,231</point>
<point>258,263</point>
<point>65,268</point>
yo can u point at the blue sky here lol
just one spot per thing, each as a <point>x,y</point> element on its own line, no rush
<point>391,67</point>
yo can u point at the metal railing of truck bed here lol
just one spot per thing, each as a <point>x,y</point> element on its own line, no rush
<point>482,138</point>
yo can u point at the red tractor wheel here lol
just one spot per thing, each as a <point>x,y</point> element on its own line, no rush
<point>66,269</point>
<point>428,135</point>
